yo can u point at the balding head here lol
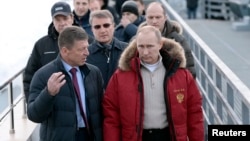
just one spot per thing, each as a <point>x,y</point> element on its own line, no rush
<point>156,15</point>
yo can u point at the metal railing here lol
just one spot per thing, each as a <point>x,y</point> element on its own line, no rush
<point>8,86</point>
<point>226,99</point>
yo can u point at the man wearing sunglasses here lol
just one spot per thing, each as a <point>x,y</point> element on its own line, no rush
<point>105,50</point>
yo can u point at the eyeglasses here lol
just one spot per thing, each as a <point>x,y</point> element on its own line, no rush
<point>106,25</point>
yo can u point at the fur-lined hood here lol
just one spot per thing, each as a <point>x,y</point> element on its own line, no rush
<point>172,48</point>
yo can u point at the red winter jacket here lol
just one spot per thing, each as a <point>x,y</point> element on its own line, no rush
<point>124,98</point>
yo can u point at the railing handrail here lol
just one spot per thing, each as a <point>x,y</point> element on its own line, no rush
<point>9,109</point>
<point>5,83</point>
<point>241,87</point>
<point>219,85</point>
<point>12,103</point>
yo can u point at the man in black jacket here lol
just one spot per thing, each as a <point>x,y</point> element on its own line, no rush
<point>67,103</point>
<point>81,15</point>
<point>192,8</point>
<point>105,50</point>
<point>46,48</point>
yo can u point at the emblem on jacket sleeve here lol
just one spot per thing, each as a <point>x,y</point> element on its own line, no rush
<point>180,97</point>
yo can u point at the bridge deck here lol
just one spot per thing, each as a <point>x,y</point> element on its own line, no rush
<point>23,126</point>
<point>233,47</point>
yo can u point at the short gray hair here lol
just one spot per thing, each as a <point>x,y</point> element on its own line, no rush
<point>100,14</point>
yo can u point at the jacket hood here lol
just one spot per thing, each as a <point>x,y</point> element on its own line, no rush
<point>171,26</point>
<point>170,48</point>
<point>52,31</point>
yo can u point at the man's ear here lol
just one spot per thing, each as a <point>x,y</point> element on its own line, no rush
<point>63,50</point>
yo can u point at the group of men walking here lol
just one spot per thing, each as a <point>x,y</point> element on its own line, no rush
<point>94,79</point>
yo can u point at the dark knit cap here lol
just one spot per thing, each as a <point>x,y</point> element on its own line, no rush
<point>130,6</point>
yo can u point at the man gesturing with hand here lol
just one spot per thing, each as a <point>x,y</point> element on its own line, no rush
<point>55,82</point>
<point>67,103</point>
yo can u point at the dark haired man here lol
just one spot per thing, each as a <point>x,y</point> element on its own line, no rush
<point>46,48</point>
<point>66,94</point>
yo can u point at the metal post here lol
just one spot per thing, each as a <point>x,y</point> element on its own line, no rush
<point>24,109</point>
<point>10,92</point>
<point>24,103</point>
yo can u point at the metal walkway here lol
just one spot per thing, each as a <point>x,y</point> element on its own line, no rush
<point>231,46</point>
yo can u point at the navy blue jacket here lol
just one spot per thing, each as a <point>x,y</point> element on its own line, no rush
<point>83,22</point>
<point>57,114</point>
<point>125,34</point>
<point>45,50</point>
<point>106,57</point>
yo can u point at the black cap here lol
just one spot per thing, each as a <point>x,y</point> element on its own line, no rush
<point>60,8</point>
<point>130,6</point>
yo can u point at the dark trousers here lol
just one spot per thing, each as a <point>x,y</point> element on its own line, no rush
<point>82,135</point>
<point>191,12</point>
<point>156,134</point>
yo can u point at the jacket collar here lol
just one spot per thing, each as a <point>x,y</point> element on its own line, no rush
<point>84,68</point>
<point>172,53</point>
<point>52,31</point>
<point>96,46</point>
<point>84,19</point>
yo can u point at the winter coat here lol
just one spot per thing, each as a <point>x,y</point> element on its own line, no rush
<point>45,50</point>
<point>84,22</point>
<point>106,57</point>
<point>173,30</point>
<point>192,4</point>
<point>57,114</point>
<point>123,102</point>
<point>125,34</point>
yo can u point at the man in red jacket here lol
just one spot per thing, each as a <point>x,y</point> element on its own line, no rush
<point>152,96</point>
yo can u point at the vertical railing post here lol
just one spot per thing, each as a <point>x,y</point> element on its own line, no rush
<point>10,93</point>
<point>24,103</point>
<point>24,109</point>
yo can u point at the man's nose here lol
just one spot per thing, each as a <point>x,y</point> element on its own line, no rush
<point>154,20</point>
<point>145,51</point>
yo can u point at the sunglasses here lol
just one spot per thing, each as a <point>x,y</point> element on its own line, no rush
<point>106,25</point>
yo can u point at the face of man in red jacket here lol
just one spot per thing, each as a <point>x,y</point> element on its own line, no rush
<point>149,43</point>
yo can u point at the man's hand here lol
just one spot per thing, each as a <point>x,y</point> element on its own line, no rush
<point>55,82</point>
<point>125,21</point>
